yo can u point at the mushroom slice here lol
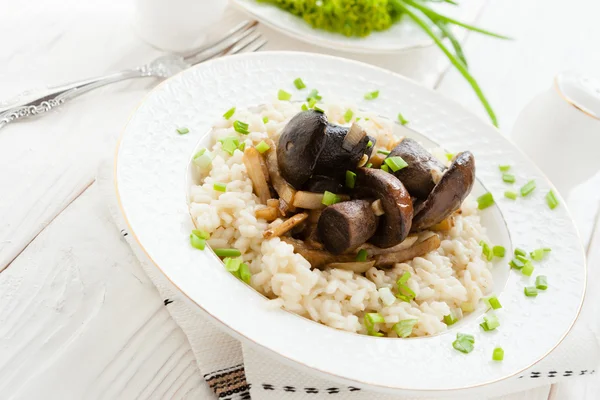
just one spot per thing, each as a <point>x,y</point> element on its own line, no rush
<point>322,183</point>
<point>447,196</point>
<point>283,189</point>
<point>268,213</point>
<point>286,226</point>
<point>444,226</point>
<point>300,144</point>
<point>395,224</point>
<point>312,201</point>
<point>252,161</point>
<point>377,160</point>
<point>419,177</point>
<point>360,267</point>
<point>417,250</point>
<point>377,208</point>
<point>317,258</point>
<point>375,251</point>
<point>346,225</point>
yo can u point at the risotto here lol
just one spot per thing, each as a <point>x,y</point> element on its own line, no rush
<point>440,286</point>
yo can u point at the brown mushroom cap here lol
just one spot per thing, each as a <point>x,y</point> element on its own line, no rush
<point>395,224</point>
<point>346,225</point>
<point>299,146</point>
<point>447,196</point>
<point>322,183</point>
<point>417,177</point>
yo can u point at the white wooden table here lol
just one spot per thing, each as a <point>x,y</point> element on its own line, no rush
<point>78,318</point>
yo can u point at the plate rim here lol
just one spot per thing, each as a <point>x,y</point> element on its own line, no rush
<point>285,358</point>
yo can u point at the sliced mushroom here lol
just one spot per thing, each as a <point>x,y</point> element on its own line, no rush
<point>419,176</point>
<point>269,214</point>
<point>346,225</point>
<point>286,226</point>
<point>360,267</point>
<point>447,196</point>
<point>252,161</point>
<point>395,224</point>
<point>417,250</point>
<point>281,186</point>
<point>323,183</point>
<point>312,201</point>
<point>299,147</point>
<point>375,251</point>
<point>317,258</point>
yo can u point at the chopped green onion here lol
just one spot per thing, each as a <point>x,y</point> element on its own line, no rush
<point>405,293</point>
<point>370,320</point>
<point>537,254</point>
<point>528,188</point>
<point>527,270</point>
<point>504,168</point>
<point>401,119</point>
<point>385,168</point>
<point>383,151</point>
<point>530,291</point>
<point>201,234</point>
<point>220,187</point>
<point>197,242</point>
<point>232,264</point>
<point>330,198</point>
<point>227,252</point>
<point>350,179</point>
<point>299,84</point>
<point>229,113</point>
<point>245,273</point>
<point>396,163</point>
<point>547,249</point>
<point>242,146</point>
<point>348,115</point>
<point>516,263</point>
<point>493,302</point>
<point>551,200</point>
<point>405,327</point>
<point>314,94</point>
<point>241,127</point>
<point>362,255</point>
<point>508,178</point>
<point>262,147</point>
<point>450,319</point>
<point>486,250</point>
<point>523,259</point>
<point>369,165</point>
<point>449,156</point>
<point>357,119</point>
<point>498,354</point>
<point>183,131</point>
<point>485,200</point>
<point>490,322</point>
<point>230,144</point>
<point>520,252</point>
<point>318,109</point>
<point>369,144</point>
<point>304,107</point>
<point>510,195</point>
<point>265,120</point>
<point>499,251</point>
<point>202,159</point>
<point>464,343</point>
<point>283,95</point>
<point>403,279</point>
<point>372,95</point>
<point>311,103</point>
<point>541,282</point>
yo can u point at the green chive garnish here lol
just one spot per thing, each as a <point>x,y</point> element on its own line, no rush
<point>490,322</point>
<point>283,95</point>
<point>197,242</point>
<point>372,95</point>
<point>396,163</point>
<point>201,234</point>
<point>405,327</point>
<point>510,195</point>
<point>314,94</point>
<point>220,187</point>
<point>551,200</point>
<point>450,319</point>
<point>304,107</point>
<point>350,179</point>
<point>403,279</point>
<point>530,291</point>
<point>227,252</point>
<point>464,343</point>
<point>230,144</point>
<point>262,147</point>
<point>229,113</point>
<point>493,302</point>
<point>362,255</point>
<point>383,151</point>
<point>183,131</point>
<point>241,127</point>
<point>516,263</point>
<point>498,354</point>
<point>528,188</point>
<point>520,252</point>
<point>498,251</point>
<point>265,120</point>
<point>486,250</point>
<point>242,146</point>
<point>369,144</point>
<point>485,200</point>
<point>504,168</point>
<point>369,165</point>
<point>385,168</point>
<point>370,320</point>
<point>348,115</point>
<point>508,178</point>
<point>401,119</point>
<point>527,270</point>
<point>245,273</point>
<point>232,264</point>
<point>537,254</point>
<point>330,198</point>
<point>541,282</point>
<point>449,156</point>
<point>299,84</point>
<point>318,109</point>
<point>202,159</point>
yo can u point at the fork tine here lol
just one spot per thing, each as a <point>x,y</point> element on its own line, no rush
<point>250,42</point>
<point>210,50</point>
<point>256,45</point>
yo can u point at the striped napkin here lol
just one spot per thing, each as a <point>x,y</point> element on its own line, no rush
<point>236,371</point>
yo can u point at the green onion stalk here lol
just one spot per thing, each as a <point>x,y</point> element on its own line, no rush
<point>362,17</point>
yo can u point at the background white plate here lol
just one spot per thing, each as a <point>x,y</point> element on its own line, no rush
<point>151,184</point>
<point>402,36</point>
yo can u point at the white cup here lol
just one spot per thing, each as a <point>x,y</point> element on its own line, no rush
<point>177,25</point>
<point>560,130</point>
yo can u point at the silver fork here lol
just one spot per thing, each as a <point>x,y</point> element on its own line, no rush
<point>241,38</point>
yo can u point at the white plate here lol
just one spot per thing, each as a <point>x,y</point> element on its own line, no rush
<point>402,36</point>
<point>151,167</point>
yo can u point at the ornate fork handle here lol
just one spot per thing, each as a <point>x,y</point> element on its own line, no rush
<point>54,97</point>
